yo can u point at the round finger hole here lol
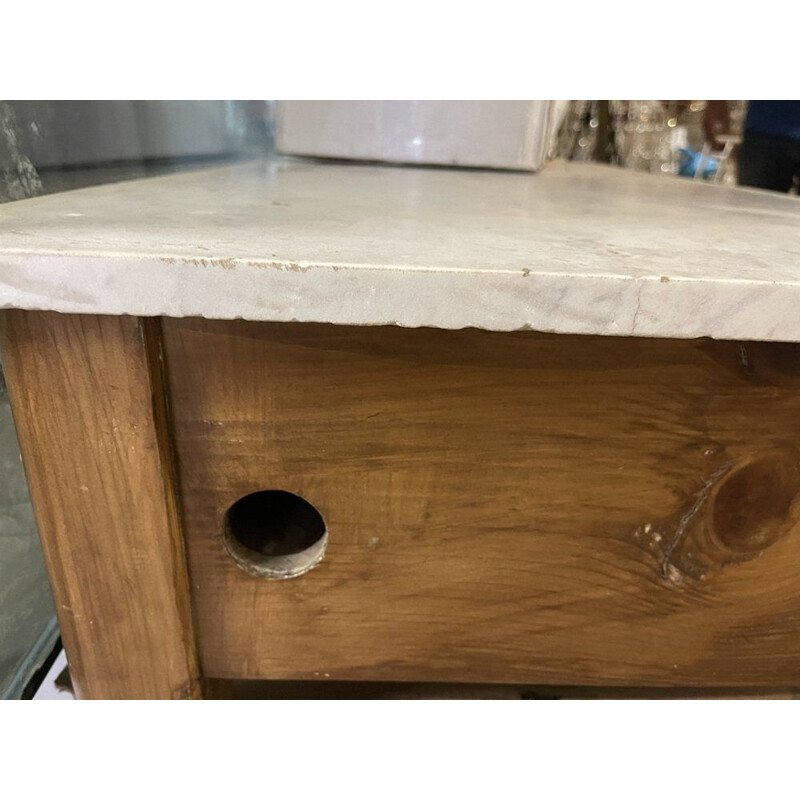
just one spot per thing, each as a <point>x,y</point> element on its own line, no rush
<point>274,534</point>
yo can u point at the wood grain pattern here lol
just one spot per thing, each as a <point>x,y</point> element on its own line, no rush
<point>89,409</point>
<point>501,506</point>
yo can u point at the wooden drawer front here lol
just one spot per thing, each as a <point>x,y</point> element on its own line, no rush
<point>500,506</point>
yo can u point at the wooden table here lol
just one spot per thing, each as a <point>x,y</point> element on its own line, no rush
<point>287,420</point>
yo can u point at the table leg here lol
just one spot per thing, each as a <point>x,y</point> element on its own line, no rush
<point>88,403</point>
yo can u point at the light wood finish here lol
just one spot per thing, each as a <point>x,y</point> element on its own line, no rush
<point>89,409</point>
<point>500,507</point>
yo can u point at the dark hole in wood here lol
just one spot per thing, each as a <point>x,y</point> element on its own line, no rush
<point>274,534</point>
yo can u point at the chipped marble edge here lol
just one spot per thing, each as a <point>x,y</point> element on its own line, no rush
<point>343,294</point>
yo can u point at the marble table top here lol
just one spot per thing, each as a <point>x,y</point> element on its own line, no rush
<point>574,249</point>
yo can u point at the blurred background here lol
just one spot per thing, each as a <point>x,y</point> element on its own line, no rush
<point>51,146</point>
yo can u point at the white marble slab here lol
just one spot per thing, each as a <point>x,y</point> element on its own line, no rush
<point>574,249</point>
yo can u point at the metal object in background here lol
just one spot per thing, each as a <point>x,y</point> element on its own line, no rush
<point>648,135</point>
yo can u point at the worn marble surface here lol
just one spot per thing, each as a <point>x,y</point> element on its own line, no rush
<point>574,249</point>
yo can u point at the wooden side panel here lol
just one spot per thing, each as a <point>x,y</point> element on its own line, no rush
<point>500,506</point>
<point>89,409</point>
